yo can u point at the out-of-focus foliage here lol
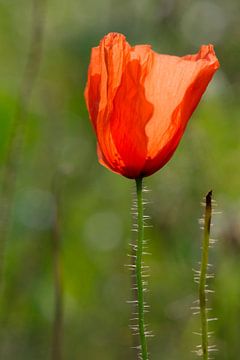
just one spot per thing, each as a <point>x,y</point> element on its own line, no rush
<point>95,204</point>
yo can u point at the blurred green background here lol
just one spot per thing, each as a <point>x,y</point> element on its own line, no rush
<point>58,151</point>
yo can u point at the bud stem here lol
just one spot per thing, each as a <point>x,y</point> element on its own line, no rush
<point>203,275</point>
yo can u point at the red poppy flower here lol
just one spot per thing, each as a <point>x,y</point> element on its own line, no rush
<point>140,102</point>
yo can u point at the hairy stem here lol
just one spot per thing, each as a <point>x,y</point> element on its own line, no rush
<point>140,297</point>
<point>203,276</point>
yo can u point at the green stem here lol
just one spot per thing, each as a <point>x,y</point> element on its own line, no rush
<point>203,276</point>
<point>140,297</point>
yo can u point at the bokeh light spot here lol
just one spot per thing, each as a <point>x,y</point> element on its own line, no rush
<point>35,209</point>
<point>103,231</point>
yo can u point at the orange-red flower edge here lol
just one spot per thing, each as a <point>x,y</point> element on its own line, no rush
<point>140,101</point>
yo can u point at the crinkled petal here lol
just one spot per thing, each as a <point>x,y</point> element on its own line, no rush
<point>92,90</point>
<point>131,113</point>
<point>121,122</point>
<point>175,86</point>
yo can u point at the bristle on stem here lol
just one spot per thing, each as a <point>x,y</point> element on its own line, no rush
<point>139,274</point>
<point>201,276</point>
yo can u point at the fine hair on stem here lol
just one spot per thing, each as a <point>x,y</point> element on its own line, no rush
<point>139,276</point>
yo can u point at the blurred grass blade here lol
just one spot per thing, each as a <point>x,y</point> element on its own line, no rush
<point>57,331</point>
<point>14,148</point>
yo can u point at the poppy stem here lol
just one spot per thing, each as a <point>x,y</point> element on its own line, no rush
<point>203,276</point>
<point>139,268</point>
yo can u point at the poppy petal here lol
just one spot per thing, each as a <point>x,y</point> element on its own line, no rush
<point>175,86</point>
<point>140,102</point>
